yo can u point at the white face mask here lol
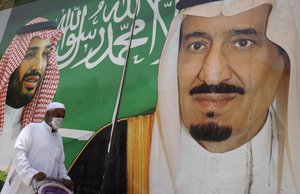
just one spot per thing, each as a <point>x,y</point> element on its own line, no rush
<point>56,122</point>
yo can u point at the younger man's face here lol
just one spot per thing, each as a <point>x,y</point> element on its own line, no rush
<point>25,80</point>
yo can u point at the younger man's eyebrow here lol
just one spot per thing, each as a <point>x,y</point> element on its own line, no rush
<point>34,48</point>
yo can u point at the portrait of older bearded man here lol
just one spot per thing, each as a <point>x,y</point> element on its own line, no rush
<point>227,119</point>
<point>28,80</point>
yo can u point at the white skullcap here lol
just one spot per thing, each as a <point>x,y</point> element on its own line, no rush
<point>54,105</point>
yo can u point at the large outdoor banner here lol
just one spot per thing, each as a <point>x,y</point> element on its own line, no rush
<point>160,96</point>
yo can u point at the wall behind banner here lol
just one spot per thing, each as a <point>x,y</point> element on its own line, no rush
<point>91,56</point>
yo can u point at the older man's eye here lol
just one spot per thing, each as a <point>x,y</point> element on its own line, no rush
<point>243,43</point>
<point>196,46</point>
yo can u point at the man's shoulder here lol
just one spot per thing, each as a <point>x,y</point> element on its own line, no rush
<point>140,127</point>
<point>143,117</point>
<point>32,126</point>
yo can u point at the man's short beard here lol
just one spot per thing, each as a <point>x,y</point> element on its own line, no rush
<point>15,98</point>
<point>210,131</point>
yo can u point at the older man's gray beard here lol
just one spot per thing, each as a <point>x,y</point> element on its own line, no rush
<point>210,131</point>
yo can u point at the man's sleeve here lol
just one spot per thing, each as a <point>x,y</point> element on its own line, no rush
<point>21,151</point>
<point>62,172</point>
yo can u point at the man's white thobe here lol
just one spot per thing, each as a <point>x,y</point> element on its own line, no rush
<point>36,149</point>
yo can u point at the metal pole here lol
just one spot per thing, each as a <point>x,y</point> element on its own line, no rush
<point>117,107</point>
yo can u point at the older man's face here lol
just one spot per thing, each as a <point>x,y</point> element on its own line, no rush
<point>227,70</point>
<point>26,78</point>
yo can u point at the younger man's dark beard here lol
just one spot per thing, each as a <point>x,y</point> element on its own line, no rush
<point>210,131</point>
<point>15,98</point>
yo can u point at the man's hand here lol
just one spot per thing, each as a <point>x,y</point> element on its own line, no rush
<point>39,176</point>
<point>69,184</point>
